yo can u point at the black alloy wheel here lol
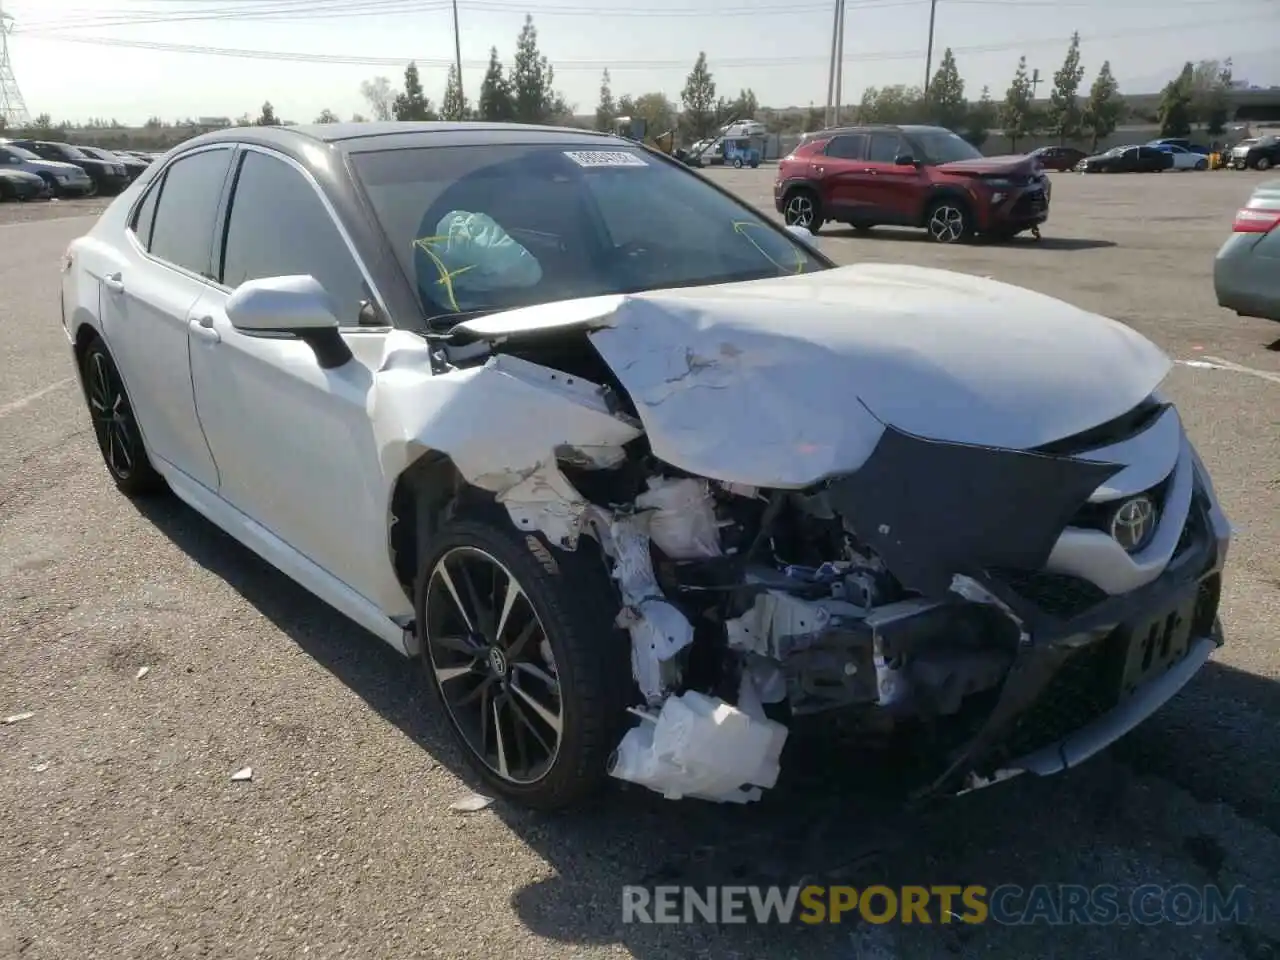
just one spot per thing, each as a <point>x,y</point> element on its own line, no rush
<point>119,439</point>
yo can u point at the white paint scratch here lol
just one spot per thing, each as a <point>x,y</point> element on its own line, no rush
<point>31,398</point>
<point>1217,363</point>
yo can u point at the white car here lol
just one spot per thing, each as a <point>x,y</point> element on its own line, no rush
<point>637,475</point>
<point>1184,159</point>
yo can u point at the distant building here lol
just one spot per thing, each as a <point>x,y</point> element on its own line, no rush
<point>214,123</point>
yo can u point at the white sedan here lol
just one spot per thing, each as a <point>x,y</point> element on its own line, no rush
<point>1184,159</point>
<point>634,473</point>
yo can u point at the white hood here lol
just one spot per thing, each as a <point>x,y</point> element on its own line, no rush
<point>783,382</point>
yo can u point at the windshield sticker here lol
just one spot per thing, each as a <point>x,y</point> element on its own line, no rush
<point>604,158</point>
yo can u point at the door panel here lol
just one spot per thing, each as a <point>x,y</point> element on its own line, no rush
<point>293,442</point>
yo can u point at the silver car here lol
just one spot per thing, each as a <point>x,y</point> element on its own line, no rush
<point>1246,273</point>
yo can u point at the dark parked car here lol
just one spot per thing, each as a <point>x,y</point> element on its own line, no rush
<point>1144,159</point>
<point>64,179</point>
<point>910,176</point>
<point>108,176</point>
<point>1058,158</point>
<point>1246,272</point>
<point>18,185</point>
<point>1258,153</point>
<point>132,165</point>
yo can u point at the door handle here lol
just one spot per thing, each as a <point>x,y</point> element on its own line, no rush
<point>114,282</point>
<point>203,328</point>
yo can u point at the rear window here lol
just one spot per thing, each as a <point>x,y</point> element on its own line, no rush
<point>484,228</point>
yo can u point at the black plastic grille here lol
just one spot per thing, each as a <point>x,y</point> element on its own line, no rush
<point>1084,688</point>
<point>1058,594</point>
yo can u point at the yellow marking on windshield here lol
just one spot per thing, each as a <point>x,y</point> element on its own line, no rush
<point>446,277</point>
<point>741,228</point>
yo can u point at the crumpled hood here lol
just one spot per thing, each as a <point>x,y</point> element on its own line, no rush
<point>783,382</point>
<point>1009,163</point>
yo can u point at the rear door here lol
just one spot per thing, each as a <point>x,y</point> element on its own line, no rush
<point>840,169</point>
<point>146,301</point>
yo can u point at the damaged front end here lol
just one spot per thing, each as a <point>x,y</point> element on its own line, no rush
<point>966,599</point>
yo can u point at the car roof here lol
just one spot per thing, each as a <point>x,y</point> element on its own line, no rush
<point>400,134</point>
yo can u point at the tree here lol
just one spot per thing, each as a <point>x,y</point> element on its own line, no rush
<point>42,122</point>
<point>380,97</point>
<point>895,104</point>
<point>531,79</point>
<point>268,116</point>
<point>1017,109</point>
<point>1064,117</point>
<point>658,112</point>
<point>699,99</point>
<point>359,118</point>
<point>495,92</point>
<point>606,109</point>
<point>412,104</point>
<point>1211,85</point>
<point>744,106</point>
<point>1175,112</point>
<point>944,99</point>
<point>454,106</point>
<point>981,119</point>
<point>1104,106</point>
<point>813,119</point>
<point>328,116</point>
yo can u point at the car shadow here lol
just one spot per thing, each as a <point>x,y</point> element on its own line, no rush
<point>1274,346</point>
<point>835,816</point>
<point>907,235</point>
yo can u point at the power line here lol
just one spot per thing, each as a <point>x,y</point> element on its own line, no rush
<point>288,10</point>
<point>613,65</point>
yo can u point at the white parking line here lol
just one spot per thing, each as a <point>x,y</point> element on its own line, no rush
<point>32,223</point>
<point>31,398</point>
<point>1217,363</point>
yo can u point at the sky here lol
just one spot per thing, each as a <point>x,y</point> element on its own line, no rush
<point>79,59</point>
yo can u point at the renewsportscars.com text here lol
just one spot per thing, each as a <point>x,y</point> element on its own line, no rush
<point>1009,904</point>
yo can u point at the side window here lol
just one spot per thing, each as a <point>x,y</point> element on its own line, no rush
<point>848,147</point>
<point>183,221</point>
<point>144,217</point>
<point>885,148</point>
<point>278,227</point>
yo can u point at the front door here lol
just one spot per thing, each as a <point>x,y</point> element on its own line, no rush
<point>293,442</point>
<point>898,189</point>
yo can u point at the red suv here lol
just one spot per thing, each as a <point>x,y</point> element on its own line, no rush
<point>910,176</point>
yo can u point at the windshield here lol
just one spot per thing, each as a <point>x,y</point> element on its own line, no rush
<point>68,151</point>
<point>484,228</point>
<point>943,146</point>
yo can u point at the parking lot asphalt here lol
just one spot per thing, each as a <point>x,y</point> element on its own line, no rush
<point>122,834</point>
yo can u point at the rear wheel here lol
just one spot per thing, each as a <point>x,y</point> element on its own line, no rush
<point>519,645</point>
<point>1263,163</point>
<point>119,439</point>
<point>947,221</point>
<point>803,209</point>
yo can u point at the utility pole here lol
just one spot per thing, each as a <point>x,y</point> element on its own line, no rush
<point>928,57</point>
<point>839,58</point>
<point>1035,83</point>
<point>457,51</point>
<point>831,68</point>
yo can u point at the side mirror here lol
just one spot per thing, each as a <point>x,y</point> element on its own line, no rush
<point>904,160</point>
<point>297,307</point>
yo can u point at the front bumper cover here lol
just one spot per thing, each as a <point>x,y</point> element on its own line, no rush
<point>1063,698</point>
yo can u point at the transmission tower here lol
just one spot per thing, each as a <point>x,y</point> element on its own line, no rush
<point>13,110</point>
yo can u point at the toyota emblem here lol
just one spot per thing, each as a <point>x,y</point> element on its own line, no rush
<point>1133,523</point>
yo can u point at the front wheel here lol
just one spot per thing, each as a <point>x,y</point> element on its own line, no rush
<point>737,163</point>
<point>947,221</point>
<point>519,645</point>
<point>803,210</point>
<point>114,425</point>
<point>1202,164</point>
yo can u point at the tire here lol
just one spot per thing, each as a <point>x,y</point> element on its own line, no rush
<point>737,163</point>
<point>861,227</point>
<point>802,208</point>
<point>1202,164</point>
<point>948,221</point>
<point>114,426</point>
<point>567,600</point>
<point>1263,163</point>
<point>7,192</point>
